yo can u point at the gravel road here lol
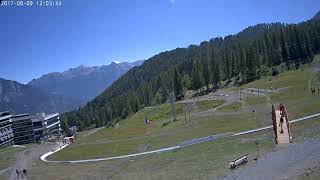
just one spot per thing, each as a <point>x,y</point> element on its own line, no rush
<point>25,158</point>
<point>285,163</point>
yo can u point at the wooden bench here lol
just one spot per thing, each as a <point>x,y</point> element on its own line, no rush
<point>241,160</point>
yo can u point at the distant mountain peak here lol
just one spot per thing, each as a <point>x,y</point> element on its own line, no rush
<point>317,16</point>
<point>82,66</point>
<point>115,62</point>
<point>21,98</point>
<point>91,80</point>
<point>61,91</point>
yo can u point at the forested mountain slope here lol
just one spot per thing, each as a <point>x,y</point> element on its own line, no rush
<point>20,98</point>
<point>82,83</point>
<point>245,56</point>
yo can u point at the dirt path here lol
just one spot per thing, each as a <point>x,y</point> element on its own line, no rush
<point>227,98</point>
<point>25,159</point>
<point>286,162</point>
<point>232,97</point>
<point>180,145</point>
<point>4,170</point>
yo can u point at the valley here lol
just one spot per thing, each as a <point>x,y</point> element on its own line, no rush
<point>243,103</point>
<point>208,116</point>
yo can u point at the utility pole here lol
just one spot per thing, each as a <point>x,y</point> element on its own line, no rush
<point>189,109</point>
<point>253,118</point>
<point>258,155</point>
<point>186,109</point>
<point>172,99</point>
<point>256,142</point>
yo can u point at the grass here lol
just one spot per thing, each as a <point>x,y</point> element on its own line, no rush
<point>135,125</point>
<point>7,155</point>
<point>254,100</point>
<point>133,135</point>
<point>231,107</point>
<point>85,151</point>
<point>292,78</point>
<point>208,104</point>
<point>195,162</point>
<point>298,98</point>
<point>202,161</point>
<point>194,129</point>
<point>208,160</point>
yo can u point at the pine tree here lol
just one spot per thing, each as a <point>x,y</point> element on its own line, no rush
<point>186,82</point>
<point>215,69</point>
<point>177,82</point>
<point>284,51</point>
<point>246,56</point>
<point>206,74</point>
<point>197,79</point>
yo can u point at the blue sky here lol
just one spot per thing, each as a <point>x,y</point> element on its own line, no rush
<point>37,40</point>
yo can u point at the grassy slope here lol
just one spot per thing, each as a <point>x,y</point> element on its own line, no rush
<point>231,107</point>
<point>203,161</point>
<point>298,98</point>
<point>133,135</point>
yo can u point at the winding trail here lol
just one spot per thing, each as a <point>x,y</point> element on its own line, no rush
<point>264,92</point>
<point>4,170</point>
<point>26,158</point>
<point>227,98</point>
<point>181,145</point>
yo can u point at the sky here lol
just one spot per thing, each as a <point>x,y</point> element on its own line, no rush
<point>38,40</point>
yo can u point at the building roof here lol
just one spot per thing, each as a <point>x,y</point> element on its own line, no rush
<point>20,117</point>
<point>49,116</point>
<point>4,113</point>
<point>44,117</point>
<point>5,117</point>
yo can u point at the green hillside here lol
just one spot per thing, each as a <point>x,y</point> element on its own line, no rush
<point>207,117</point>
<point>241,58</point>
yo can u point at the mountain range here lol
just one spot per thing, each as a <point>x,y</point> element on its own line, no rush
<point>82,83</point>
<point>60,91</point>
<point>317,16</point>
<point>253,53</point>
<point>120,89</point>
<point>20,98</point>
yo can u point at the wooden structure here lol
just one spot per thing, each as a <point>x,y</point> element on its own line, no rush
<point>281,125</point>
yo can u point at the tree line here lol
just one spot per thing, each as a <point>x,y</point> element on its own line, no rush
<point>243,57</point>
